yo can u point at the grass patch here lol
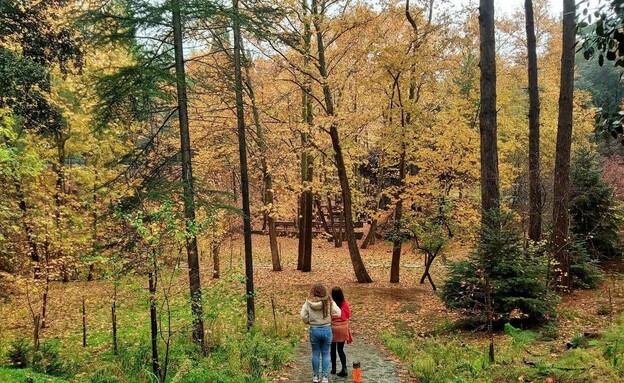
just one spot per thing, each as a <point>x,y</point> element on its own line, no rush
<point>10,375</point>
<point>521,356</point>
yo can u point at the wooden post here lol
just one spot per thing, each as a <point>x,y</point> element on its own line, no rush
<point>273,304</point>
<point>84,322</point>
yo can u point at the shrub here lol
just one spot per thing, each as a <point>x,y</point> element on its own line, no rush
<point>517,277</point>
<point>593,208</point>
<point>19,353</point>
<point>548,332</point>
<point>584,269</point>
<point>48,361</point>
<point>104,376</point>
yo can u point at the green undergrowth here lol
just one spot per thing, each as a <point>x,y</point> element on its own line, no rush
<point>12,375</point>
<point>234,355</point>
<point>521,356</point>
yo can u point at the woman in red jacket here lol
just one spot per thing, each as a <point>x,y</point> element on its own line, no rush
<point>341,332</point>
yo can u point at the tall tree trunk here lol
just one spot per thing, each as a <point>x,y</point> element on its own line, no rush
<point>267,197</point>
<point>187,179</point>
<point>490,194</point>
<point>242,149</point>
<point>398,217</point>
<point>561,195</point>
<point>535,195</point>
<point>356,259</point>
<point>307,161</point>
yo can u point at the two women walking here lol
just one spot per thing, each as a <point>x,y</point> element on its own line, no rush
<point>328,317</point>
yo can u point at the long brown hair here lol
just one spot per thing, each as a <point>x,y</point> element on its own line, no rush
<point>319,292</point>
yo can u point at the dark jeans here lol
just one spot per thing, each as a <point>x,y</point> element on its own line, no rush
<point>341,354</point>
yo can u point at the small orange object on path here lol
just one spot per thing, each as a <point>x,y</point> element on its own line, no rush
<point>357,373</point>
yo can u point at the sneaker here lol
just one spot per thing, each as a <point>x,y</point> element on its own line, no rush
<point>315,379</point>
<point>325,380</point>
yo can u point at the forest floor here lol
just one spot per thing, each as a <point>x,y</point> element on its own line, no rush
<point>382,312</point>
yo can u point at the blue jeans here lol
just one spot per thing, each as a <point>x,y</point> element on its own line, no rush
<point>320,338</point>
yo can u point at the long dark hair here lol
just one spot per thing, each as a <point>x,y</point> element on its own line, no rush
<point>337,296</point>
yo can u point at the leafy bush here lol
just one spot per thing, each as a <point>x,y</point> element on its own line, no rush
<point>104,376</point>
<point>517,277</point>
<point>19,353</point>
<point>584,269</point>
<point>48,361</point>
<point>593,208</point>
<point>548,332</point>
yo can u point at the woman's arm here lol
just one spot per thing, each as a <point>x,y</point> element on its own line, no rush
<point>305,315</point>
<point>335,310</point>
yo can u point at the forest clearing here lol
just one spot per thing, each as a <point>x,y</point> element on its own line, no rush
<point>249,191</point>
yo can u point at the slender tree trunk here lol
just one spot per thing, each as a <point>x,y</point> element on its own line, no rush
<point>561,197</point>
<point>307,161</point>
<point>94,233</point>
<point>59,200</point>
<point>356,259</point>
<point>36,328</point>
<point>398,217</point>
<point>300,243</point>
<point>46,288</point>
<point>154,325</point>
<point>84,322</point>
<point>242,149</point>
<point>490,194</point>
<point>535,197</point>
<point>114,320</point>
<point>267,197</point>
<point>216,268</point>
<point>187,179</point>
<point>322,216</point>
<point>370,236</point>
<point>406,118</point>
<point>307,224</point>
<point>30,236</point>
<point>490,316</point>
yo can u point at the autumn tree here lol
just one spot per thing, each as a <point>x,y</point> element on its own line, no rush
<point>119,23</point>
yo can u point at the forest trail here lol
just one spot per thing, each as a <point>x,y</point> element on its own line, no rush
<point>376,366</point>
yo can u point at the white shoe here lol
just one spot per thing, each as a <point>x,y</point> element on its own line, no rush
<point>315,379</point>
<point>325,380</point>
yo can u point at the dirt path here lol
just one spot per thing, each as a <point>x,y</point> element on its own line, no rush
<point>376,366</point>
